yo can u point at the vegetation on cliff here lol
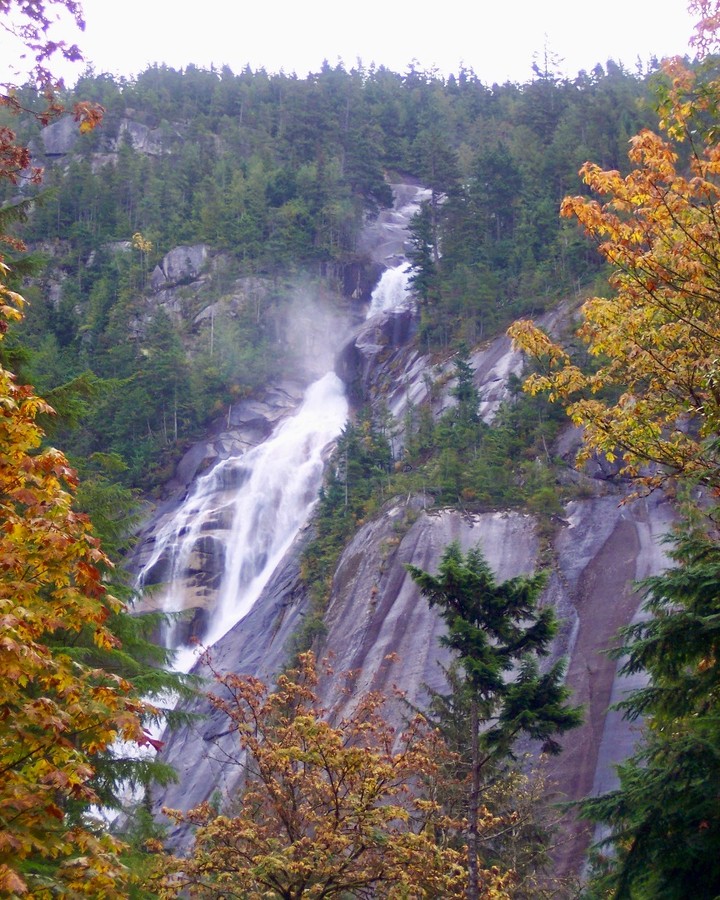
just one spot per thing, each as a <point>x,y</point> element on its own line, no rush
<point>652,401</point>
<point>498,634</point>
<point>275,175</point>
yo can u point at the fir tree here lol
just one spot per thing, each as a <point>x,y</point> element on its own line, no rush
<point>664,816</point>
<point>497,629</point>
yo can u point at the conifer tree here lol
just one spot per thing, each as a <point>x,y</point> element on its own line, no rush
<point>664,816</point>
<point>496,630</point>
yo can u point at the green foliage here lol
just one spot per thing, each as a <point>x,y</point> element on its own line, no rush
<point>459,460</point>
<point>495,630</point>
<point>279,173</point>
<point>353,489</point>
<point>663,818</point>
<point>423,254</point>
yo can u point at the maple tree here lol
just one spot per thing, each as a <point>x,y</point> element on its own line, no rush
<point>325,811</point>
<point>56,713</point>
<point>653,398</point>
<point>60,712</point>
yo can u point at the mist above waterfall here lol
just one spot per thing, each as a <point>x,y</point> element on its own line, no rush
<point>316,326</point>
<point>218,549</point>
<point>215,552</point>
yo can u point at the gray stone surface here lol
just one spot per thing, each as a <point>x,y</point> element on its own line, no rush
<point>379,627</point>
<point>60,137</point>
<point>145,140</point>
<point>183,264</point>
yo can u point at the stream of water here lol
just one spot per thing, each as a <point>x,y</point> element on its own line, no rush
<point>263,498</point>
<point>238,520</point>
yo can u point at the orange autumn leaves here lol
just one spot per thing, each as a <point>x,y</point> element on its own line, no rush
<point>55,711</point>
<point>652,395</point>
<point>325,811</point>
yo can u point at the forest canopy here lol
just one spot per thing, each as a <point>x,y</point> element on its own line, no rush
<point>275,176</point>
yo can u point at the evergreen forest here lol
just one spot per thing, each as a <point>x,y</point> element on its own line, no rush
<point>276,175</point>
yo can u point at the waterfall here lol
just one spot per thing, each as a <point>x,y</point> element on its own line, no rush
<point>259,500</point>
<point>218,550</point>
<point>392,291</point>
<point>387,242</point>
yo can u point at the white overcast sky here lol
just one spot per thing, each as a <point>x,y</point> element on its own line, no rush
<point>498,40</point>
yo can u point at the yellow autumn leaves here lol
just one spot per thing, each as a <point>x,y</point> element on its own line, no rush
<point>55,711</point>
<point>653,396</point>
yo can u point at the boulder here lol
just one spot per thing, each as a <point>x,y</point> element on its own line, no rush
<point>182,264</point>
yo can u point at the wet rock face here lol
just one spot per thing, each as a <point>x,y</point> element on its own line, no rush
<point>603,551</point>
<point>374,353</point>
<point>382,630</point>
<point>378,626</point>
<point>248,423</point>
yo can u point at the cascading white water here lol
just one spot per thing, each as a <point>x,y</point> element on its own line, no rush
<point>391,292</point>
<point>262,498</point>
<point>389,238</point>
<point>220,548</point>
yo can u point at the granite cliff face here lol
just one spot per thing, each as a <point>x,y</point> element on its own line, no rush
<point>378,626</point>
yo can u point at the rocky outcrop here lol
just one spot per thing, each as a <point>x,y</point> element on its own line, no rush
<point>179,266</point>
<point>378,626</point>
<point>143,139</point>
<point>381,366</point>
<point>60,137</point>
<point>382,631</point>
<point>377,356</point>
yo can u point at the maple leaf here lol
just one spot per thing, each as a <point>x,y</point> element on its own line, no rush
<point>325,811</point>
